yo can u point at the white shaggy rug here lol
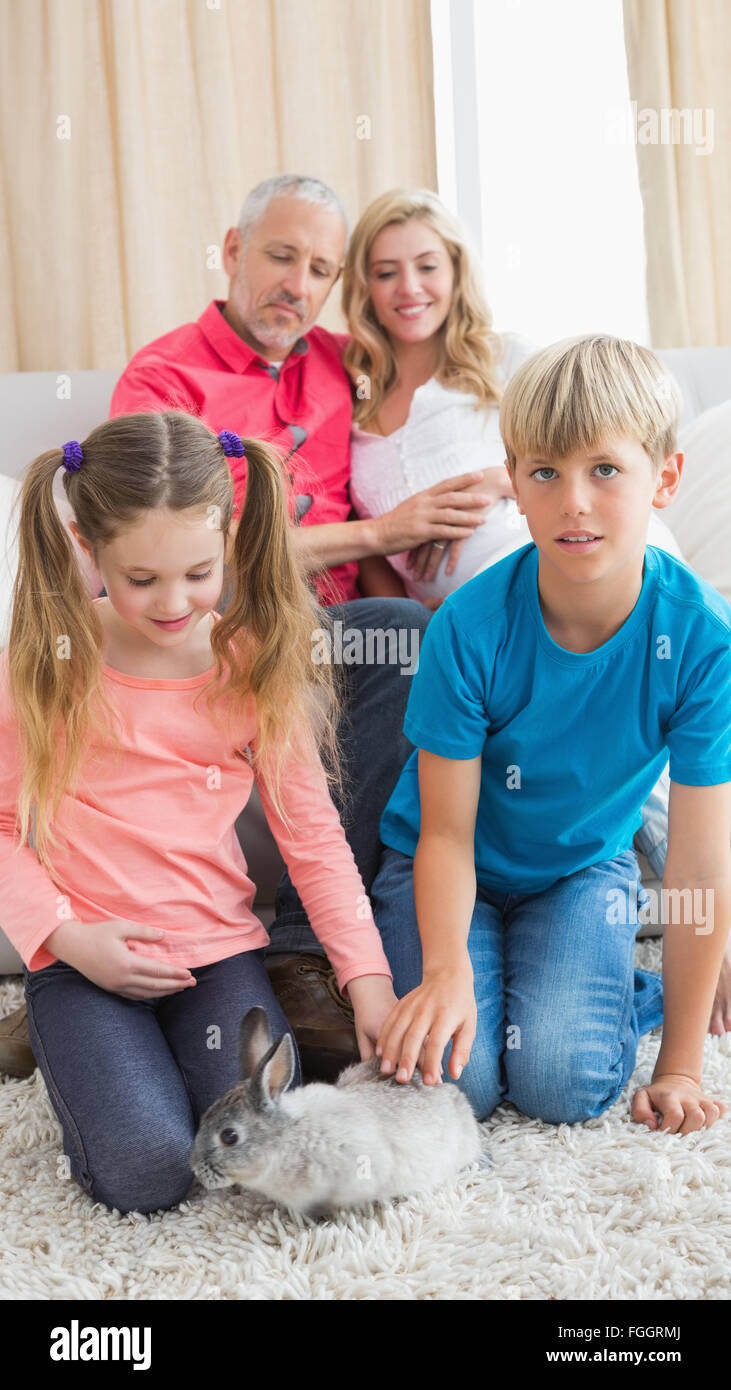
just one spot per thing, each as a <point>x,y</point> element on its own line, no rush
<point>601,1210</point>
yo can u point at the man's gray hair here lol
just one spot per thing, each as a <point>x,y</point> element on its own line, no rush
<point>292,186</point>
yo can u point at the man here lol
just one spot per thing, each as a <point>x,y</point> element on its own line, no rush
<point>257,364</point>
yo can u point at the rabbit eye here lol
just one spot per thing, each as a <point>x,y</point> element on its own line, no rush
<point>229,1136</point>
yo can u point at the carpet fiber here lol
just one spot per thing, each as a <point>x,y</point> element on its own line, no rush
<point>601,1210</point>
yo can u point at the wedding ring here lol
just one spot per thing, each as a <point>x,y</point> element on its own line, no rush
<point>440,545</point>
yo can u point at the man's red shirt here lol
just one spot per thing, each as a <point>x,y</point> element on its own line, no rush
<point>304,410</point>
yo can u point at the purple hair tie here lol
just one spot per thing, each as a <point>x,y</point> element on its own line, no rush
<point>232,446</point>
<point>73,456</point>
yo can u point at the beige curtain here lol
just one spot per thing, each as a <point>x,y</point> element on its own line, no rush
<point>132,130</point>
<point>679,60</point>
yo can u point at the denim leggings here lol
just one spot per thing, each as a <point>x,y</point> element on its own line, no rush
<point>560,1007</point>
<point>129,1079</point>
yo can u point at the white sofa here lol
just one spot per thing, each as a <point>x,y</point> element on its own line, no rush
<point>41,410</point>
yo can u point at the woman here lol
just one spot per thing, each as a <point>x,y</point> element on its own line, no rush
<point>428,374</point>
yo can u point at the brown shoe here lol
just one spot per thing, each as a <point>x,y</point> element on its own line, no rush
<point>16,1053</point>
<point>321,1020</point>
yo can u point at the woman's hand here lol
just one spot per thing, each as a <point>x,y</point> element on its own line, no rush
<point>424,560</point>
<point>441,1007</point>
<point>684,1107</point>
<point>448,511</point>
<point>101,952</point>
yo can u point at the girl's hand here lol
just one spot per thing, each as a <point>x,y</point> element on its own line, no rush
<point>442,1007</point>
<point>100,951</point>
<point>424,560</point>
<point>682,1104</point>
<point>373,999</point>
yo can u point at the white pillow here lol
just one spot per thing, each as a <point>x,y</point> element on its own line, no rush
<point>700,515</point>
<point>659,534</point>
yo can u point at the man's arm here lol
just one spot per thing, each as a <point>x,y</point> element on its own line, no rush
<point>448,511</point>
<point>335,543</point>
<point>697,891</point>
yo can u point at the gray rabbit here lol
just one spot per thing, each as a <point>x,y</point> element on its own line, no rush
<point>367,1138</point>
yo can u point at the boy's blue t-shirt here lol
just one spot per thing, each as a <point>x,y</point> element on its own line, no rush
<point>572,743</point>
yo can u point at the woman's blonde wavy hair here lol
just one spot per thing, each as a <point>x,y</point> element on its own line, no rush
<point>261,645</point>
<point>470,347</point>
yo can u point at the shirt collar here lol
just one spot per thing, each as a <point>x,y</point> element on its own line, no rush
<point>235,352</point>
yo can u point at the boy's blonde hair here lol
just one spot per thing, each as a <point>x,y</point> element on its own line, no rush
<point>261,645</point>
<point>576,392</point>
<point>470,347</point>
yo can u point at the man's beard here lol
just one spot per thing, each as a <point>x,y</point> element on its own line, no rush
<point>268,336</point>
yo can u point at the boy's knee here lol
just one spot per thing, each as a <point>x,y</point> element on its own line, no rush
<point>566,1086</point>
<point>482,1086</point>
<point>484,1098</point>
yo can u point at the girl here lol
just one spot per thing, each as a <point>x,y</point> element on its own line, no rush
<point>133,915</point>
<point>421,337</point>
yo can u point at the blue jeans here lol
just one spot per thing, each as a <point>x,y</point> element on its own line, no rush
<point>129,1079</point>
<point>373,750</point>
<point>560,1007</point>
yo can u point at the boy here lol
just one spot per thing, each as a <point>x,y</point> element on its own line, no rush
<point>550,692</point>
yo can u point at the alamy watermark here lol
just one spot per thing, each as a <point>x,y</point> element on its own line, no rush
<point>670,906</point>
<point>82,1343</point>
<point>664,125</point>
<point>370,646</point>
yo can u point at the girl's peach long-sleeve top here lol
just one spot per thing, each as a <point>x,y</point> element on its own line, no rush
<point>150,836</point>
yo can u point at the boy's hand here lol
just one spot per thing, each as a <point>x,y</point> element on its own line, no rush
<point>682,1104</point>
<point>441,1007</point>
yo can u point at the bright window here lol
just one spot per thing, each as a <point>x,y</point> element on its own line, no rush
<point>547,182</point>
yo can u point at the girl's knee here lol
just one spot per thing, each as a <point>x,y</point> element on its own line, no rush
<point>159,1192</point>
<point>144,1202</point>
<point>153,1178</point>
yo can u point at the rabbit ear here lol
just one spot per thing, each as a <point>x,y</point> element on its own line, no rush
<point>273,1074</point>
<point>255,1040</point>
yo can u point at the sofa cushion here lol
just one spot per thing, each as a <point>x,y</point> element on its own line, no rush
<point>700,515</point>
